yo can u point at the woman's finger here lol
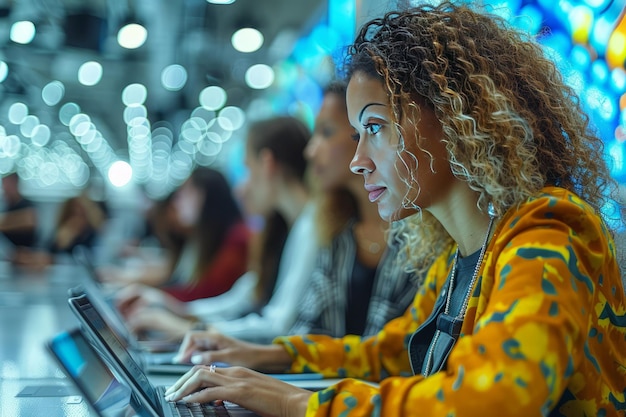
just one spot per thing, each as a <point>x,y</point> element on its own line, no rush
<point>180,381</point>
<point>198,378</point>
<point>187,348</point>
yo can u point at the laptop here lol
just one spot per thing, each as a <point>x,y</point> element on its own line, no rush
<point>92,284</point>
<point>154,356</point>
<point>151,361</point>
<point>102,390</point>
<point>151,398</point>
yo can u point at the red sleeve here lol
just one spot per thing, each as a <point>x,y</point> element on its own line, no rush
<point>230,263</point>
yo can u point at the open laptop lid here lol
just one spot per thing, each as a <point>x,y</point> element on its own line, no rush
<point>105,305</point>
<point>109,345</point>
<point>106,396</point>
<point>107,311</point>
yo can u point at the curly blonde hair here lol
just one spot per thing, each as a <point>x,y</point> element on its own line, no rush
<point>511,124</point>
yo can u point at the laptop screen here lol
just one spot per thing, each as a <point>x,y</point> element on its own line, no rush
<point>128,366</point>
<point>89,373</point>
<point>104,307</point>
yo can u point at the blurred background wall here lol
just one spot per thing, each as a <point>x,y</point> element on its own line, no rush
<point>125,97</point>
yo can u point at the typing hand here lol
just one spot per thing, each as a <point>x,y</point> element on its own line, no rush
<point>260,393</point>
<point>205,347</point>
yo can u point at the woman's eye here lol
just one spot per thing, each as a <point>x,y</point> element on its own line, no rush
<point>372,128</point>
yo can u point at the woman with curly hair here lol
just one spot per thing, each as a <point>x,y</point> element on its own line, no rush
<point>466,128</point>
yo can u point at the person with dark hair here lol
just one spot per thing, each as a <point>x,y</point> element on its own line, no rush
<point>80,222</point>
<point>467,130</point>
<point>208,260</point>
<point>19,220</point>
<point>359,282</point>
<point>264,305</point>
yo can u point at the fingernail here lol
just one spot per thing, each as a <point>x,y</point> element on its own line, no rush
<point>176,358</point>
<point>196,359</point>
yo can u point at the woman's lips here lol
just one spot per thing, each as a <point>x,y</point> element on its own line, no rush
<point>375,192</point>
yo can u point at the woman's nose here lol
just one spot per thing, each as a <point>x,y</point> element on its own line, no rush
<point>361,163</point>
<point>311,148</point>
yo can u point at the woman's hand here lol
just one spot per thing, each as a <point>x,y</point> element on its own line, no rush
<point>166,324</point>
<point>263,394</point>
<point>135,296</point>
<point>205,347</point>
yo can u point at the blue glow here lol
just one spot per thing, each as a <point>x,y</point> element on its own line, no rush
<point>578,17</point>
<point>599,72</point>
<point>598,5</point>
<point>601,103</point>
<point>342,18</point>
<point>304,50</point>
<point>580,57</point>
<point>618,80</point>
<point>576,80</point>
<point>617,154</point>
<point>325,39</point>
<point>529,19</point>
<point>557,46</point>
<point>574,34</point>
<point>306,90</point>
<point>504,8</point>
<point>600,34</point>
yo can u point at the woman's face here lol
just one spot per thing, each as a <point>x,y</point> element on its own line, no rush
<point>188,202</point>
<point>331,147</point>
<point>387,171</point>
<point>257,190</point>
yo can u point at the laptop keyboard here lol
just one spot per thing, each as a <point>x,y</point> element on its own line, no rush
<point>183,409</point>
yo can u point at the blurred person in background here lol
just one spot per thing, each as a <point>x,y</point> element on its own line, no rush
<point>359,282</point>
<point>79,222</point>
<point>264,301</point>
<point>18,221</point>
<point>208,242</point>
<point>145,258</point>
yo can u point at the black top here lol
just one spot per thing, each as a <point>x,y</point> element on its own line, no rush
<point>21,237</point>
<point>424,336</point>
<point>358,299</point>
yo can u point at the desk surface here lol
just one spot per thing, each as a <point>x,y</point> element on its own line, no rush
<point>33,308</point>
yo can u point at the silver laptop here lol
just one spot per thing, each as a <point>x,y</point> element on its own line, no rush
<point>101,389</point>
<point>150,397</point>
<point>154,356</point>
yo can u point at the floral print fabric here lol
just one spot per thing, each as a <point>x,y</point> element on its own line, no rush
<point>544,334</point>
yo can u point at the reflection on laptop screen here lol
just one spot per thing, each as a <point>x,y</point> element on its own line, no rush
<point>120,354</point>
<point>100,387</point>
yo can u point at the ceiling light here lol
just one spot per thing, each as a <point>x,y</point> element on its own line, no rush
<point>174,77</point>
<point>247,40</point>
<point>221,1</point>
<point>90,73</point>
<point>67,111</point>
<point>22,32</point>
<point>132,36</point>
<point>259,76</point>
<point>134,94</point>
<point>212,98</point>
<point>17,113</point>
<point>120,173</point>
<point>53,92</point>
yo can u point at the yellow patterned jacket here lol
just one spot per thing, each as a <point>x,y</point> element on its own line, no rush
<point>544,334</point>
